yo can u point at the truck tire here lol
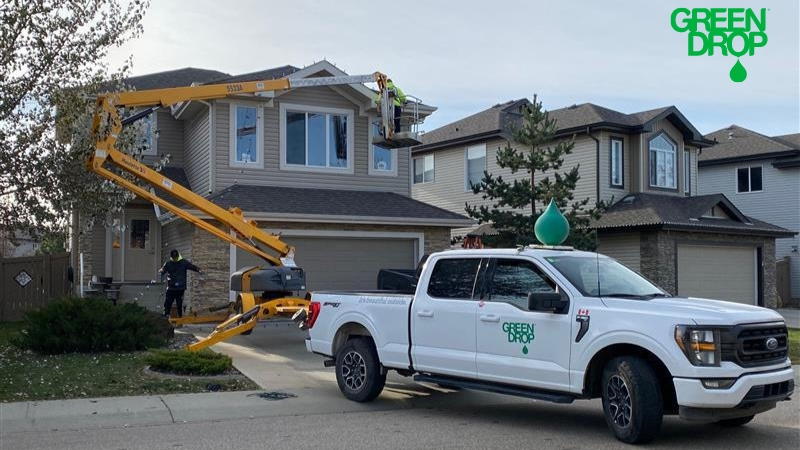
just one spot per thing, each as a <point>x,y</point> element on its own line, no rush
<point>358,370</point>
<point>632,401</point>
<point>737,422</point>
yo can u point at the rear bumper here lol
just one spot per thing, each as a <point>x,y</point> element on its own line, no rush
<point>750,394</point>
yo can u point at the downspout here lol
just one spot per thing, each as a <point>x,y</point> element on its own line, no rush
<point>212,137</point>
<point>596,163</point>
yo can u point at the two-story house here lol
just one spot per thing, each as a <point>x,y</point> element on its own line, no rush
<point>300,162</point>
<point>761,176</point>
<point>644,163</point>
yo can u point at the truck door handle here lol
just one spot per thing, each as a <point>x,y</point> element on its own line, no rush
<point>490,318</point>
<point>425,313</point>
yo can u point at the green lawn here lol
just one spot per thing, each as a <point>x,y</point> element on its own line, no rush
<point>794,345</point>
<point>28,376</point>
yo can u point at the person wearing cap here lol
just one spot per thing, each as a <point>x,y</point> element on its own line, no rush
<point>175,268</point>
<point>398,98</point>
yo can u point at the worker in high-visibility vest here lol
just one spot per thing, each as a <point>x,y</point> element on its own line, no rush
<point>399,99</point>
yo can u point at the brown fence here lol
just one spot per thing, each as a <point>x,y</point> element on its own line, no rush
<point>31,282</point>
<point>782,281</point>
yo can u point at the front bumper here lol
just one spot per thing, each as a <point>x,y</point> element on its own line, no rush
<point>750,394</point>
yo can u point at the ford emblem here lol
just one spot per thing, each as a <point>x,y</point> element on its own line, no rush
<point>772,344</point>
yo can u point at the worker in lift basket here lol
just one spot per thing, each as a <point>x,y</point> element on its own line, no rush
<point>399,99</point>
<point>175,268</point>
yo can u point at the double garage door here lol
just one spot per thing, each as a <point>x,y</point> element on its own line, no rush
<point>718,272</point>
<point>344,263</point>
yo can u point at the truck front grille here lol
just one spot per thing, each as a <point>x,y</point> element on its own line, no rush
<point>774,391</point>
<point>755,345</point>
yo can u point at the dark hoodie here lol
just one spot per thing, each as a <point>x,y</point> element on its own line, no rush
<point>176,273</point>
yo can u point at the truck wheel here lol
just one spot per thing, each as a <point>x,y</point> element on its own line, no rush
<point>737,422</point>
<point>358,370</point>
<point>632,401</point>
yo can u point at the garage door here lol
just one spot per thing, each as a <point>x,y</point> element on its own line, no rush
<point>339,263</point>
<point>718,272</point>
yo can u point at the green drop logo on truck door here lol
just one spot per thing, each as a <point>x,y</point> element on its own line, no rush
<point>519,333</point>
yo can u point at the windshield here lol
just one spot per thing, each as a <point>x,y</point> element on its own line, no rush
<point>604,277</point>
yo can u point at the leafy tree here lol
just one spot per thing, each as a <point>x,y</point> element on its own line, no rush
<point>52,59</point>
<point>517,204</point>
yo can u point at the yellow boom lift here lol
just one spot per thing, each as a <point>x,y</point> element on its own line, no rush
<point>262,292</point>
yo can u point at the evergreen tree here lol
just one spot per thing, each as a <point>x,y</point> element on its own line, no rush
<point>517,204</point>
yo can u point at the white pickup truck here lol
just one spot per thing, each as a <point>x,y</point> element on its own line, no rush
<point>559,325</point>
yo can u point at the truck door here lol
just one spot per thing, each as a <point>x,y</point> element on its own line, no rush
<point>443,318</point>
<point>516,345</point>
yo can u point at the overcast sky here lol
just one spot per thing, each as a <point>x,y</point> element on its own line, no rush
<point>465,56</point>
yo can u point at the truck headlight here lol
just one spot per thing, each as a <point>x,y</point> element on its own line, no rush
<point>700,345</point>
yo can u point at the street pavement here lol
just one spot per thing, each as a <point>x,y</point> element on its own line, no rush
<point>292,382</point>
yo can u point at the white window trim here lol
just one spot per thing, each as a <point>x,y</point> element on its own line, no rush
<point>467,187</point>
<point>317,109</point>
<point>259,164</point>
<point>674,164</point>
<point>372,170</point>
<point>749,180</point>
<point>621,183</point>
<point>687,175</point>
<point>413,173</point>
<point>152,139</point>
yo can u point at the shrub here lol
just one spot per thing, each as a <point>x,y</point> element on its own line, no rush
<point>184,362</point>
<point>92,325</point>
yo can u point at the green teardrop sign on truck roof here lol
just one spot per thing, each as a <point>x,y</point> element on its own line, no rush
<point>551,227</point>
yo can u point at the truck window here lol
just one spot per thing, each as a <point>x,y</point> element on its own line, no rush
<point>454,278</point>
<point>513,279</point>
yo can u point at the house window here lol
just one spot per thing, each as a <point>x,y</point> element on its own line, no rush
<point>748,179</point>
<point>423,169</point>
<point>150,138</point>
<point>382,161</point>
<point>476,165</point>
<point>616,162</point>
<point>662,163</point>
<point>316,138</point>
<point>140,234</point>
<point>687,173</point>
<point>247,136</point>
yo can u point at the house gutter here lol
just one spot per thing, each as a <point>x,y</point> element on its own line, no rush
<point>596,163</point>
<point>212,138</point>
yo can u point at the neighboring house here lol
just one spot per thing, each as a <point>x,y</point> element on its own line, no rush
<point>18,244</point>
<point>347,210</point>
<point>651,152</point>
<point>761,176</point>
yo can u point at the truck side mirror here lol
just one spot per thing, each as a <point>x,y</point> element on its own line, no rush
<point>547,301</point>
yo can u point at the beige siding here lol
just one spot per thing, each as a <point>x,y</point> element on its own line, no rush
<point>170,139</point>
<point>178,235</point>
<point>272,175</point>
<point>625,248</point>
<point>449,188</point>
<point>608,192</point>
<point>197,138</point>
<point>675,135</point>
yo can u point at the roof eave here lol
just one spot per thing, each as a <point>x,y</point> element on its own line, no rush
<point>366,220</point>
<point>457,140</point>
<point>746,158</point>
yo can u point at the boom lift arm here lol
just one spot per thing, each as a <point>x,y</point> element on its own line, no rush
<point>107,124</point>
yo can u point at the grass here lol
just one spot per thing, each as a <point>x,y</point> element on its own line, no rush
<point>26,376</point>
<point>794,345</point>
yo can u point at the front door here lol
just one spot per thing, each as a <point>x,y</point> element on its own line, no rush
<point>140,246</point>
<point>443,319</point>
<point>516,345</point>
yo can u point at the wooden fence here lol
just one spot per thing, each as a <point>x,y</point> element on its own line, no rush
<point>31,282</point>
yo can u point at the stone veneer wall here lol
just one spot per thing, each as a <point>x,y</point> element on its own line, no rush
<point>659,257</point>
<point>213,256</point>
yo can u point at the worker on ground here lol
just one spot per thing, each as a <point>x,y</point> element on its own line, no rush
<point>175,268</point>
<point>398,99</point>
